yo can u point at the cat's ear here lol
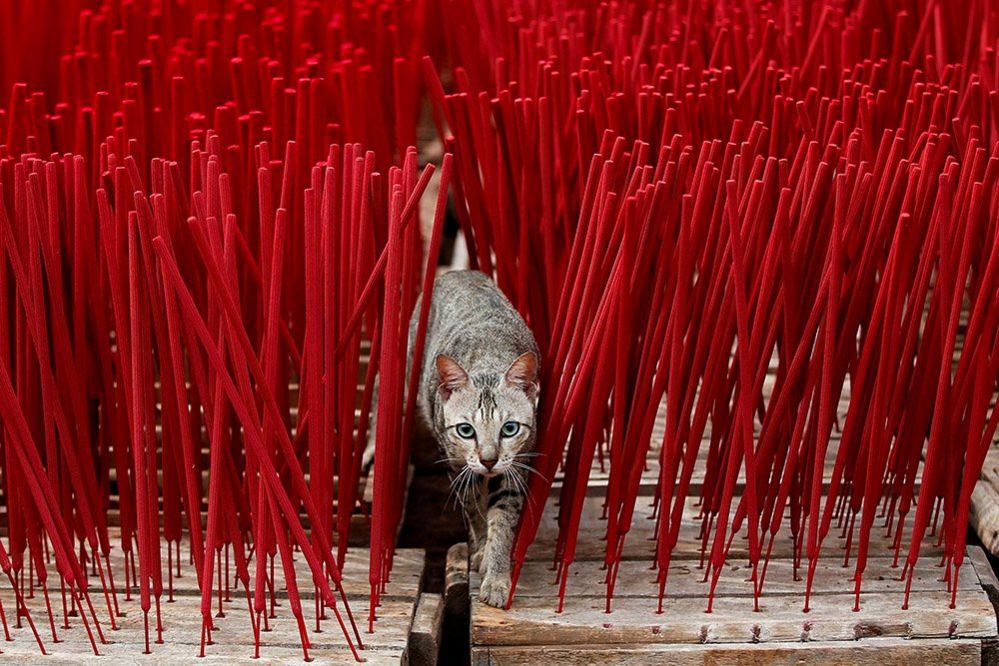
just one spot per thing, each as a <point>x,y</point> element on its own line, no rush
<point>523,373</point>
<point>452,375</point>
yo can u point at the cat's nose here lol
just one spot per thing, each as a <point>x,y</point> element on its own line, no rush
<point>488,464</point>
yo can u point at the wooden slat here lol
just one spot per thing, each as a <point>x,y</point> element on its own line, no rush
<point>533,620</point>
<point>510,636</point>
<point>640,542</point>
<point>984,516</point>
<point>234,637</point>
<point>425,635</point>
<point>456,579</point>
<point>870,652</point>
<point>637,581</point>
<point>684,620</point>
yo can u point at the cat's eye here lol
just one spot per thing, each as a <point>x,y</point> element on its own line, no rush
<point>465,430</point>
<point>510,428</point>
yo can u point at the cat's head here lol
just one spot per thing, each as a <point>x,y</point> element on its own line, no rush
<point>488,418</point>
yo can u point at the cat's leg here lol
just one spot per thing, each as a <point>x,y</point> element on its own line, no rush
<point>368,457</point>
<point>476,522</point>
<point>505,503</point>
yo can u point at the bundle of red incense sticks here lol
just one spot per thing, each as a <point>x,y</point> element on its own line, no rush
<point>775,224</point>
<point>750,215</point>
<point>209,244</point>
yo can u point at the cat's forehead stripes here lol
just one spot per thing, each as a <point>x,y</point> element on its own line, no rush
<point>486,384</point>
<point>485,380</point>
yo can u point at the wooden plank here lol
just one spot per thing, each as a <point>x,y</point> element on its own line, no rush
<point>867,652</point>
<point>233,639</point>
<point>457,610</point>
<point>979,561</point>
<point>684,620</point>
<point>456,579</point>
<point>634,619</point>
<point>984,519</point>
<point>637,581</point>
<point>984,516</point>
<point>640,543</point>
<point>425,633</point>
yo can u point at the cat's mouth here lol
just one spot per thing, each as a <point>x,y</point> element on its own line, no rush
<point>486,473</point>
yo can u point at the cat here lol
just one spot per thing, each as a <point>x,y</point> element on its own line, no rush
<point>478,397</point>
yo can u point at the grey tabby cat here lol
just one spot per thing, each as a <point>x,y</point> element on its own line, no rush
<point>478,396</point>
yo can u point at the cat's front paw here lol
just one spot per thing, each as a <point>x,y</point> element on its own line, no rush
<point>495,589</point>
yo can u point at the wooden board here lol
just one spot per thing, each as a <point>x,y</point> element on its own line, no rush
<point>456,579</point>
<point>870,652</point>
<point>881,634</point>
<point>425,634</point>
<point>640,543</point>
<point>984,517</point>
<point>234,636</point>
<point>684,620</point>
<point>830,633</point>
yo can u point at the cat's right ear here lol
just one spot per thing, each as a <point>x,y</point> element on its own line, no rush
<point>452,376</point>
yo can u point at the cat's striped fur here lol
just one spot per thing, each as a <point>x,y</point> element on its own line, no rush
<point>480,370</point>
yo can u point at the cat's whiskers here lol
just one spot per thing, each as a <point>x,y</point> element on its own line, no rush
<point>521,485</point>
<point>526,468</point>
<point>457,485</point>
<point>517,479</point>
<point>452,492</point>
<point>471,486</point>
<point>455,478</point>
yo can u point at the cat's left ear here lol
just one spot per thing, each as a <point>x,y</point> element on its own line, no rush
<point>523,373</point>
